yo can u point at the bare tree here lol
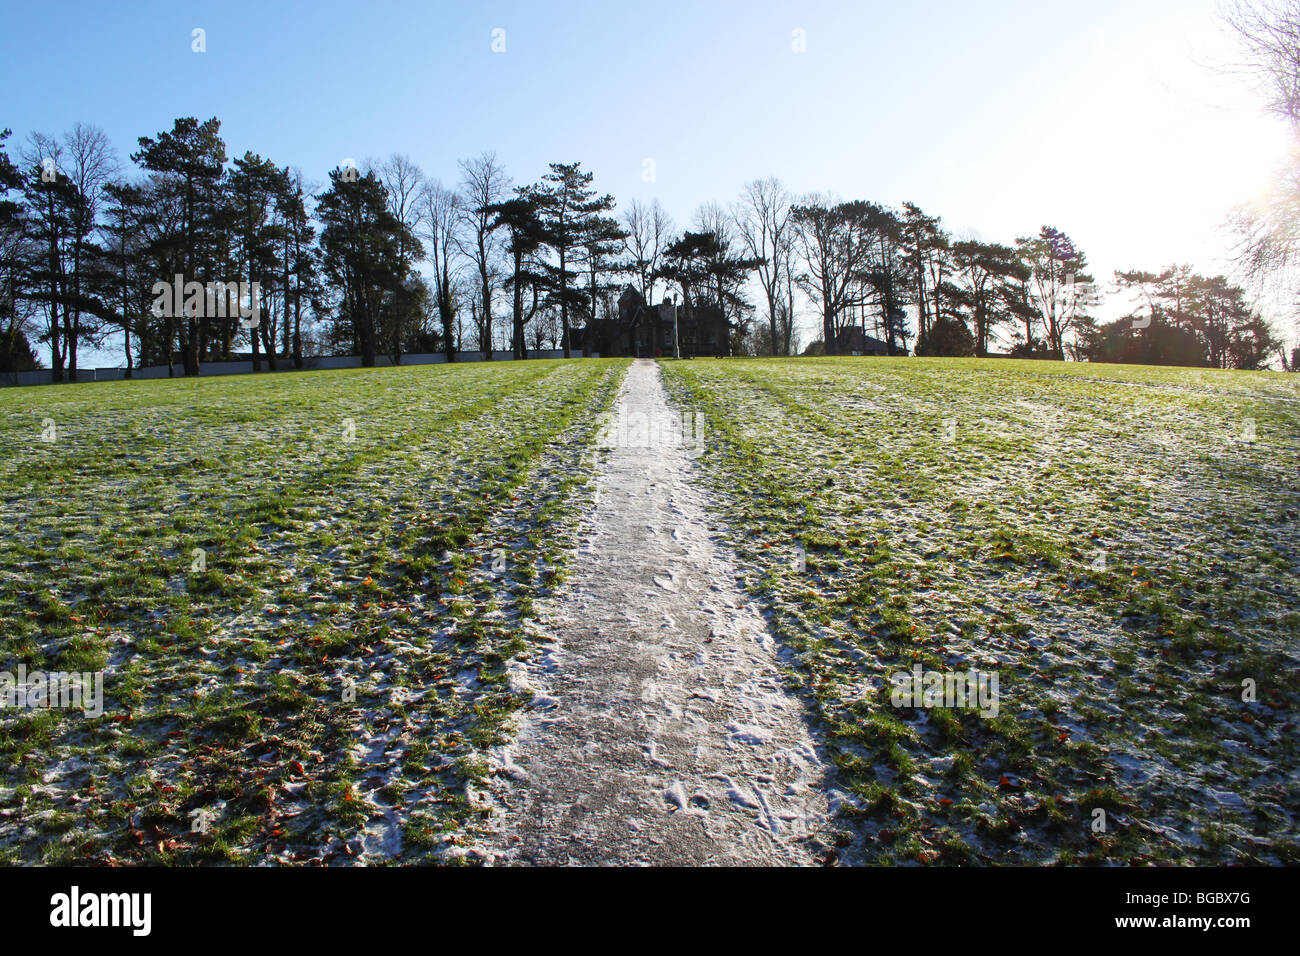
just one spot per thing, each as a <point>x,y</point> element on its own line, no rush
<point>484,183</point>
<point>726,268</point>
<point>787,309</point>
<point>648,231</point>
<point>443,217</point>
<point>762,219</point>
<point>1269,37</point>
<point>1268,232</point>
<point>404,182</point>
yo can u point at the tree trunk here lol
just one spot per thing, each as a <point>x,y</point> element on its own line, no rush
<point>192,348</point>
<point>520,346</point>
<point>126,313</point>
<point>771,321</point>
<point>788,331</point>
<point>73,321</point>
<point>486,320</point>
<point>56,354</point>
<point>564,303</point>
<point>367,332</point>
<point>270,346</point>
<point>297,329</point>
<point>253,332</point>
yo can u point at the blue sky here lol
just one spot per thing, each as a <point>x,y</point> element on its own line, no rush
<point>1105,119</point>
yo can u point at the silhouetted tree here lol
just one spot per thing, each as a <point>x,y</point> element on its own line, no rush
<point>927,251</point>
<point>984,290</point>
<point>835,246</point>
<point>193,156</point>
<point>1060,288</point>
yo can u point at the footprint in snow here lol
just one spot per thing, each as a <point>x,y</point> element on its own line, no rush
<point>739,798</point>
<point>676,796</point>
<point>748,735</point>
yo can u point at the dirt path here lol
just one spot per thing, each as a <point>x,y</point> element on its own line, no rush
<point>660,732</point>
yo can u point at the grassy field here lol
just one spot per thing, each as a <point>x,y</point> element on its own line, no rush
<point>301,589</point>
<point>1120,545</point>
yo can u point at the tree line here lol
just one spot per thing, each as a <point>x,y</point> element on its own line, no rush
<point>387,261</point>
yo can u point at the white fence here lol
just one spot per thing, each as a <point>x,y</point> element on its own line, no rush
<point>245,367</point>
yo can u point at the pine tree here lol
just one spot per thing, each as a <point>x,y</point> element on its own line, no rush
<point>571,214</point>
<point>361,248</point>
<point>254,187</point>
<point>193,156</point>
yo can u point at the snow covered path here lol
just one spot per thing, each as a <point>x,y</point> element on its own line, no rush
<point>660,732</point>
